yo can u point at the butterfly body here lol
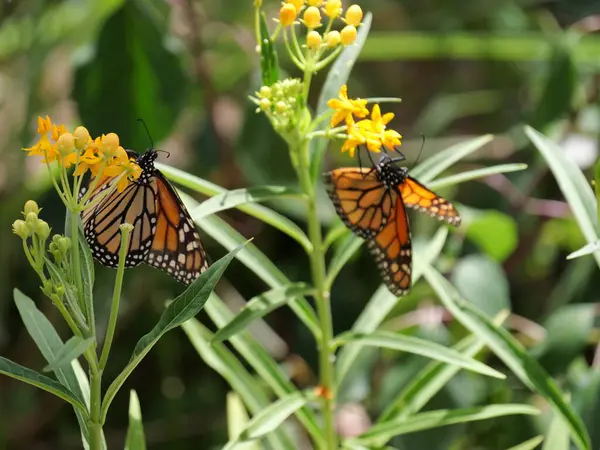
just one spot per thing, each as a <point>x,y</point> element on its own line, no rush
<point>164,235</point>
<point>372,203</point>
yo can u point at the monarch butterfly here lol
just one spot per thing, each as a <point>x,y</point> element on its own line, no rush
<point>371,202</point>
<point>164,235</point>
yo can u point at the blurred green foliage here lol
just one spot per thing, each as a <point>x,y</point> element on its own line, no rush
<point>186,67</point>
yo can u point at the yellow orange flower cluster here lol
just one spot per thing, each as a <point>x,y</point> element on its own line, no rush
<point>369,131</point>
<point>311,12</point>
<point>102,156</point>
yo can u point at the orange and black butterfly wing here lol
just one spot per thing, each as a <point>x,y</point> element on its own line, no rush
<point>134,205</point>
<point>417,196</point>
<point>391,248</point>
<point>176,247</point>
<point>361,200</point>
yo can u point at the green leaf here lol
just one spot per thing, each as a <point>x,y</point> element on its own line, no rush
<point>530,444</point>
<point>49,343</point>
<point>257,262</point>
<point>270,418</point>
<point>469,175</point>
<point>494,233</point>
<point>237,420</point>
<point>86,263</point>
<point>135,439</point>
<point>336,77</point>
<point>149,83</point>
<point>597,188</point>
<point>342,254</point>
<point>232,199</point>
<point>268,55</point>
<point>222,361</point>
<point>264,365</point>
<point>433,166</point>
<point>588,249</point>
<point>338,230</point>
<point>259,307</point>
<point>72,349</point>
<point>482,281</point>
<point>183,308</point>
<point>572,183</point>
<point>417,346</point>
<point>381,304</point>
<point>510,351</point>
<point>18,372</point>
<point>261,212</point>
<point>557,437</point>
<point>432,379</point>
<point>434,419</point>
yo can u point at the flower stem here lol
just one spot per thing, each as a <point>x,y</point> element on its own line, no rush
<point>317,263</point>
<point>114,307</point>
<point>95,423</point>
<point>85,302</point>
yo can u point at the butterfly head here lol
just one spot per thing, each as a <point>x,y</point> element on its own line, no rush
<point>389,173</point>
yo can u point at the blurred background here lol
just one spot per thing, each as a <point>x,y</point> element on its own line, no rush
<point>462,69</point>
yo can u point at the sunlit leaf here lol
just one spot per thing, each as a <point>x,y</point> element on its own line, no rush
<point>135,439</point>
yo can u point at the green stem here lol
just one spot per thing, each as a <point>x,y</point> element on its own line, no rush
<point>114,307</point>
<point>85,303</point>
<point>322,295</point>
<point>95,422</point>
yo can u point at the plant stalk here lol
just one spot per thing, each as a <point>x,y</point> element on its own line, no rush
<point>95,422</point>
<point>322,297</point>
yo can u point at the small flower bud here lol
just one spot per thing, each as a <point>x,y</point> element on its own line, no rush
<point>42,229</point>
<point>354,15</point>
<point>287,14</point>
<point>314,2</point>
<point>66,143</point>
<point>82,137</point>
<point>333,39</point>
<point>298,4</point>
<point>64,244</point>
<point>280,106</point>
<point>31,221</point>
<point>264,104</point>
<point>20,228</point>
<point>313,39</point>
<point>333,8</point>
<point>31,206</point>
<point>348,34</point>
<point>265,92</point>
<point>60,291</point>
<point>312,17</point>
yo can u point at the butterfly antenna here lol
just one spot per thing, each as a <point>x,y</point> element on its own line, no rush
<point>420,150</point>
<point>148,133</point>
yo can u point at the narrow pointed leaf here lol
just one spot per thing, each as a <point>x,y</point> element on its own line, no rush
<point>469,175</point>
<point>183,308</point>
<point>261,212</point>
<point>381,304</point>
<point>270,418</point>
<point>72,349</point>
<point>529,444</point>
<point>434,419</point>
<point>135,439</point>
<point>432,379</point>
<point>235,198</point>
<point>260,306</point>
<point>237,420</point>
<point>432,167</point>
<point>49,344</point>
<point>417,346</point>
<point>573,184</point>
<point>18,372</point>
<point>557,437</point>
<point>587,249</point>
<point>250,390</point>
<point>268,55</point>
<point>510,351</point>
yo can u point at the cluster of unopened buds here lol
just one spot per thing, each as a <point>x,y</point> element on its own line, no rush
<point>103,157</point>
<point>280,102</point>
<point>321,47</point>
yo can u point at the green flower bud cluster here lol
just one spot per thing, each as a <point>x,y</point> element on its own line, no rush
<point>34,232</point>
<point>281,102</point>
